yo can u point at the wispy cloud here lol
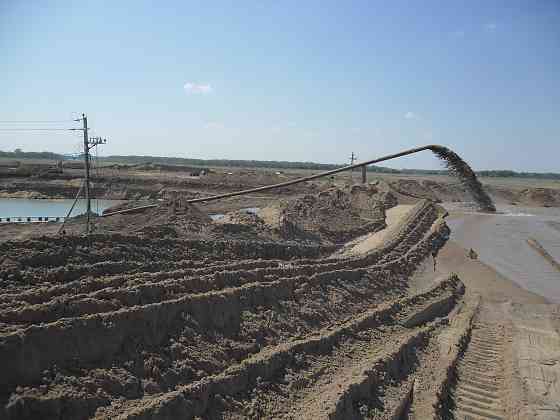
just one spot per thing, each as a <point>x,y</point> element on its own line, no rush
<point>197,88</point>
<point>411,116</point>
<point>214,125</point>
<point>490,26</point>
<point>458,34</point>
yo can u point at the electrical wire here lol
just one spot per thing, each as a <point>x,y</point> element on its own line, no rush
<point>39,129</point>
<point>34,122</point>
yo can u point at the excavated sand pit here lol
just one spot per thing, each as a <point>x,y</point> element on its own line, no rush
<point>135,326</point>
<point>166,321</point>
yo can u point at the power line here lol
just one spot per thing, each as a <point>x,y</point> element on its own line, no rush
<point>37,129</point>
<point>34,121</point>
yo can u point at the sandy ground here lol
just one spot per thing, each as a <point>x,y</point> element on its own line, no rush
<point>528,339</point>
<point>149,327</point>
<point>369,242</point>
<point>511,367</point>
<point>174,328</point>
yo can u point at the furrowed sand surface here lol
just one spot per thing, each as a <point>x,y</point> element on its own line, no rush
<point>156,325</point>
<point>366,243</point>
<point>161,328</point>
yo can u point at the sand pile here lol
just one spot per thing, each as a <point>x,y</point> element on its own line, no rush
<point>173,217</point>
<point>410,190</point>
<point>541,197</point>
<point>242,224</point>
<point>366,198</point>
<point>335,215</point>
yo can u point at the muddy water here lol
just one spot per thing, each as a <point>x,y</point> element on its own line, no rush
<point>501,242</point>
<point>23,207</point>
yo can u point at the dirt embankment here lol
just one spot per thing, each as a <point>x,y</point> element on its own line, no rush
<point>332,216</point>
<point>138,185</point>
<point>335,215</point>
<point>131,184</point>
<point>409,191</point>
<point>325,218</point>
<point>141,327</point>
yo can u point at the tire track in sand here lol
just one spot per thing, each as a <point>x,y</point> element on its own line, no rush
<point>480,382</point>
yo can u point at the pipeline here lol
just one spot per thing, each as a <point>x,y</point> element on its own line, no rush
<point>536,245</point>
<point>452,161</point>
<point>130,210</point>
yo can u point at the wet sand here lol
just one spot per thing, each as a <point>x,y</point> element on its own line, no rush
<point>501,242</point>
<point>530,331</point>
<point>515,336</point>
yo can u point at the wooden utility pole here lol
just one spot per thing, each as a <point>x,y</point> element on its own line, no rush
<point>364,174</point>
<point>88,144</point>
<point>353,158</point>
<point>86,163</point>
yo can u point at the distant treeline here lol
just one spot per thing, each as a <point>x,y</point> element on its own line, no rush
<point>272,164</point>
<point>507,174</point>
<point>19,154</point>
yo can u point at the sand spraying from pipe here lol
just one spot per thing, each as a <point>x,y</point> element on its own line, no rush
<point>461,169</point>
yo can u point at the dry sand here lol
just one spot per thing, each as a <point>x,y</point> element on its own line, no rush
<point>371,241</point>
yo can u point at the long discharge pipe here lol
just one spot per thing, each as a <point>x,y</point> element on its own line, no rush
<point>457,166</point>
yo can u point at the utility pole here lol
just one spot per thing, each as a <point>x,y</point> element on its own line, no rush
<point>89,142</point>
<point>86,162</point>
<point>353,158</point>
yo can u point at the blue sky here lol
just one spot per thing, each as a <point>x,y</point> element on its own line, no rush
<point>287,80</point>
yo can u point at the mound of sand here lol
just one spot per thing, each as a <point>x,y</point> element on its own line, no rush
<point>174,217</point>
<point>413,189</point>
<point>541,197</point>
<point>241,224</point>
<point>335,215</point>
<point>366,198</point>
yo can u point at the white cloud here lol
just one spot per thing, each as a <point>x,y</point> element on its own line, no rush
<point>491,26</point>
<point>196,88</point>
<point>458,34</point>
<point>213,125</point>
<point>411,116</point>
